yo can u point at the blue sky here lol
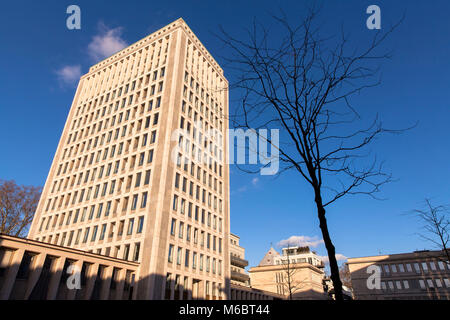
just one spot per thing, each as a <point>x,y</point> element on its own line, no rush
<point>40,58</point>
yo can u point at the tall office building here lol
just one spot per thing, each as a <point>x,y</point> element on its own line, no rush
<point>140,172</point>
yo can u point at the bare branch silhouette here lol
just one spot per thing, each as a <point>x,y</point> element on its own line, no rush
<point>17,207</point>
<point>436,225</point>
<point>302,83</point>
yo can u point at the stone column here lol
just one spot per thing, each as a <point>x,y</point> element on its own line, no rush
<point>57,270</point>
<point>106,283</point>
<point>121,274</point>
<point>91,277</point>
<point>10,276</point>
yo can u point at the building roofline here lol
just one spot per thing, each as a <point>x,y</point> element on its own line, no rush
<point>178,23</point>
<point>67,249</point>
<point>283,267</point>
<point>395,255</point>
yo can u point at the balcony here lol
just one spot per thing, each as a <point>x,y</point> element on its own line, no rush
<point>237,276</point>
<point>238,262</point>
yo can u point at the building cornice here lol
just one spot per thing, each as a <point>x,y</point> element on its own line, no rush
<point>179,23</point>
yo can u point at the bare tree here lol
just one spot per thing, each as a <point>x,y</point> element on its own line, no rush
<point>290,278</point>
<point>17,207</point>
<point>302,82</point>
<point>436,225</point>
<point>344,273</point>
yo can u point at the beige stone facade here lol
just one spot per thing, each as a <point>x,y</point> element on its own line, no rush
<point>304,276</point>
<point>420,275</point>
<point>137,174</point>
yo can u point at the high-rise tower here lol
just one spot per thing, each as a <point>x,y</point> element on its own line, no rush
<point>140,171</point>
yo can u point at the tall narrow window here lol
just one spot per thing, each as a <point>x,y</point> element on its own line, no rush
<point>144,200</point>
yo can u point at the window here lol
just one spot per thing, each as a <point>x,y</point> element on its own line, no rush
<point>134,203</point>
<point>406,284</point>
<point>194,260</point>
<point>140,225</point>
<point>188,233</point>
<point>147,178</point>
<point>86,235</point>
<point>177,180</point>
<point>144,140</point>
<point>417,267</point>
<point>179,254</point>
<point>138,180</point>
<point>186,258</point>
<point>102,233</point>
<point>108,208</point>
<point>130,226</point>
<point>447,282</point>
<point>137,248</point>
<point>99,210</point>
<point>153,137</point>
<point>120,231</point>
<point>144,200</point>
<point>181,230</point>
<point>172,227</point>
<point>422,284</point>
<point>170,257</point>
<point>150,156</point>
<point>91,214</point>
<point>175,202</point>
<point>182,205</point>
<point>126,252</point>
<point>94,233</point>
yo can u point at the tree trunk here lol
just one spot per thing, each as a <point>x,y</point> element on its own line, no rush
<point>334,269</point>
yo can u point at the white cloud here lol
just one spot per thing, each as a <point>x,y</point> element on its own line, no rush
<point>242,189</point>
<point>255,181</point>
<point>106,43</point>
<point>339,257</point>
<point>300,241</point>
<point>69,75</point>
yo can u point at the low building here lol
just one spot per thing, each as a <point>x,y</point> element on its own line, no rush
<point>238,275</point>
<point>420,275</point>
<point>33,270</point>
<point>297,273</point>
<point>248,293</point>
